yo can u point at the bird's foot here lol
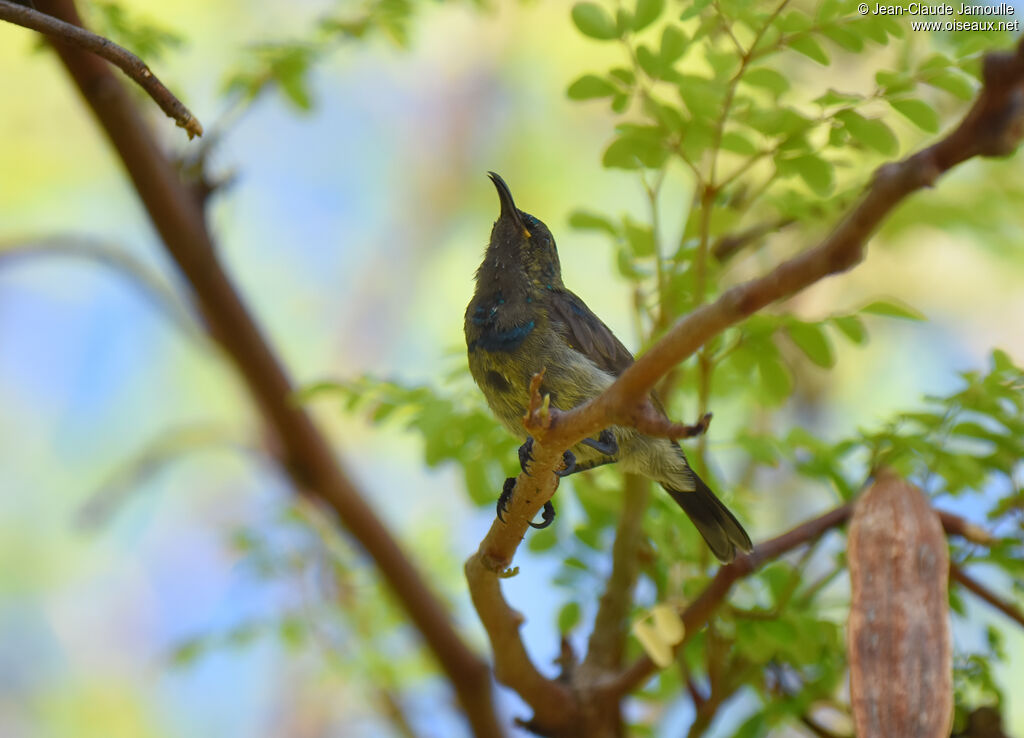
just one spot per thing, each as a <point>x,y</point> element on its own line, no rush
<point>605,443</point>
<point>526,456</point>
<point>505,496</point>
<point>547,516</point>
<point>569,460</point>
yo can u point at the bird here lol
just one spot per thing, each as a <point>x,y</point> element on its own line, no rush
<point>522,320</point>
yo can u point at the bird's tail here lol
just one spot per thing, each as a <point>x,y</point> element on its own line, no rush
<point>718,526</point>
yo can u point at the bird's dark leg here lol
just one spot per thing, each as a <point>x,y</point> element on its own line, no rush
<point>605,443</point>
<point>547,516</point>
<point>588,465</point>
<point>505,496</point>
<point>526,456</point>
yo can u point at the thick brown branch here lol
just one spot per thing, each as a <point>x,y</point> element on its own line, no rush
<point>305,453</point>
<point>125,60</point>
<point>701,609</point>
<point>1009,609</point>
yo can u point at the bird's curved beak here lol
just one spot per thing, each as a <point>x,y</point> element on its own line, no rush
<point>508,205</point>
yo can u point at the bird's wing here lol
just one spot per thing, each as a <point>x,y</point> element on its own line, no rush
<point>586,333</point>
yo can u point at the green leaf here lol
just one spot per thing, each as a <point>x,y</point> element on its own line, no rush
<point>810,48</point>
<point>694,9</point>
<point>586,221</point>
<point>594,21</point>
<point>760,448</point>
<point>869,131</point>
<point>738,144</point>
<point>918,112</point>
<point>835,97</point>
<point>812,340</point>
<point>892,309</point>
<point>568,617</point>
<point>702,96</point>
<point>647,11</point>
<point>953,81</point>
<point>649,62</point>
<point>673,45</point>
<point>767,79</point>
<point>590,86</point>
<point>815,171</point>
<point>852,327</point>
<point>844,38</point>
<point>1001,361</point>
<point>635,150</point>
<point>640,238</point>
<point>775,377</point>
<point>894,83</point>
<point>793,21</point>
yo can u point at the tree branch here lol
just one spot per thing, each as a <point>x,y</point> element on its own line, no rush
<point>608,639</point>
<point>954,525</point>
<point>698,612</point>
<point>118,259</point>
<point>119,56</point>
<point>1007,608</point>
<point>992,127</point>
<point>304,451</point>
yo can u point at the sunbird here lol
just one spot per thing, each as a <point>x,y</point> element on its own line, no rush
<point>522,320</point>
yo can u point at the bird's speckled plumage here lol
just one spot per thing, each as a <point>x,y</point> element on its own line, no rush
<point>523,319</point>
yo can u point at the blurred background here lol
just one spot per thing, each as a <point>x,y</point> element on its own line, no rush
<point>173,599</point>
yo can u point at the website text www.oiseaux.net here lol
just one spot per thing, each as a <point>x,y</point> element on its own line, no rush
<point>938,17</point>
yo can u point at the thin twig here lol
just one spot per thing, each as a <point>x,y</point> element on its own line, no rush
<point>1007,608</point>
<point>120,57</point>
<point>817,728</point>
<point>955,525</point>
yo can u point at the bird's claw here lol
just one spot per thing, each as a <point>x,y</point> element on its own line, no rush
<point>547,516</point>
<point>569,459</point>
<point>526,454</point>
<point>606,443</point>
<point>505,496</point>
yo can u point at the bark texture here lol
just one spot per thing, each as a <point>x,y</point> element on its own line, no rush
<point>899,638</point>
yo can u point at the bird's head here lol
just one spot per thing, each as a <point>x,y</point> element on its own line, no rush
<point>520,240</point>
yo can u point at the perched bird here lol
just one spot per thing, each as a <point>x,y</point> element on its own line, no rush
<point>522,319</point>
